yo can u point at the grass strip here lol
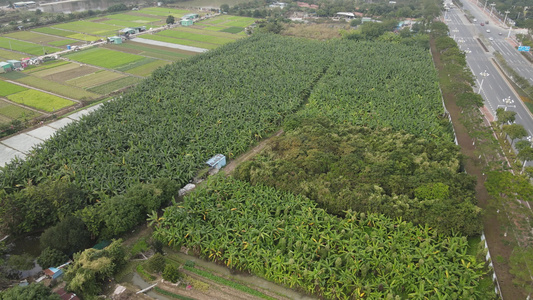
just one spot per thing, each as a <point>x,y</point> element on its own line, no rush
<point>144,274</point>
<point>114,85</point>
<point>231,284</point>
<point>170,294</point>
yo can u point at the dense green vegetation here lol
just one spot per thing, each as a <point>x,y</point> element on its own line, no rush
<point>383,171</point>
<point>287,239</point>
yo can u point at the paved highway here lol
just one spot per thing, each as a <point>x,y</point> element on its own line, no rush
<point>499,32</point>
<point>494,87</point>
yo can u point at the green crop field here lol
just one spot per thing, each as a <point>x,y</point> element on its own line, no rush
<point>180,41</point>
<point>148,68</point>
<point>95,79</point>
<point>6,54</point>
<point>45,66</point>
<point>53,31</point>
<point>104,57</point>
<point>58,88</point>
<point>89,28</point>
<point>164,12</point>
<point>84,37</point>
<point>40,100</point>
<point>7,88</point>
<point>55,69</point>
<point>133,18</point>
<point>115,85</point>
<point>232,30</point>
<point>26,47</point>
<point>224,21</point>
<point>152,51</point>
<point>63,43</point>
<point>34,37</point>
<point>127,23</point>
<point>10,112</point>
<point>218,40</point>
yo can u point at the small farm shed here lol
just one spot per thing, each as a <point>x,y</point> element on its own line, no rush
<point>186,22</point>
<point>190,17</point>
<point>217,161</point>
<point>15,63</point>
<point>366,19</point>
<point>139,29</point>
<point>5,67</point>
<point>128,31</point>
<point>347,15</point>
<point>115,40</point>
<point>53,272</point>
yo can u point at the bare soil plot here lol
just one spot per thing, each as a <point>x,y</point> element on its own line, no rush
<point>95,79</point>
<point>54,70</point>
<point>72,73</point>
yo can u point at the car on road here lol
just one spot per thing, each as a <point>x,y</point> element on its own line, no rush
<point>487,22</point>
<point>488,30</point>
<point>475,20</point>
<point>491,39</point>
<point>482,24</point>
<point>499,33</point>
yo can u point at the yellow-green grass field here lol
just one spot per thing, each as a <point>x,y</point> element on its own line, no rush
<point>89,28</point>
<point>44,66</point>
<point>105,58</point>
<point>34,37</point>
<point>95,79</point>
<point>55,69</point>
<point>39,100</point>
<point>64,42</point>
<point>7,88</point>
<point>58,88</point>
<point>10,112</point>
<point>25,47</point>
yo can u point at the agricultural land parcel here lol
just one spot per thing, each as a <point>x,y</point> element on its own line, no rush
<point>184,113</point>
<point>26,47</point>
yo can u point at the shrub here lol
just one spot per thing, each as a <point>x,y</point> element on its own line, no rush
<point>68,236</point>
<point>171,273</point>
<point>51,257</point>
<point>156,263</point>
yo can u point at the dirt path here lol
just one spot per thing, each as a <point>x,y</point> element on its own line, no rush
<point>229,168</point>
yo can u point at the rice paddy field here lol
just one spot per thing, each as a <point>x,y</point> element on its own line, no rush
<point>7,88</point>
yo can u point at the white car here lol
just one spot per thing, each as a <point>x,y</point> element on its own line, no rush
<point>488,30</point>
<point>491,39</point>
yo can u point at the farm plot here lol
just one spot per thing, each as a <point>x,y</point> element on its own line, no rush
<point>161,38</point>
<point>164,12</point>
<point>116,85</point>
<point>6,54</point>
<point>54,31</point>
<point>47,65</point>
<point>64,42</point>
<point>40,100</point>
<point>95,79</point>
<point>226,23</point>
<point>148,68</point>
<point>33,37</point>
<point>26,47</point>
<point>105,58</point>
<point>130,20</point>
<point>196,36</point>
<point>7,88</point>
<point>66,72</point>
<point>9,112</point>
<point>58,88</point>
<point>89,28</point>
<point>85,37</point>
<point>152,51</point>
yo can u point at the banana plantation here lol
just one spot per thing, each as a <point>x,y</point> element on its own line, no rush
<point>227,99</point>
<point>285,238</point>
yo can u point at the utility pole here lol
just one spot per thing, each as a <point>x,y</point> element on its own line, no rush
<point>485,5</point>
<point>491,8</point>
<point>505,19</point>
